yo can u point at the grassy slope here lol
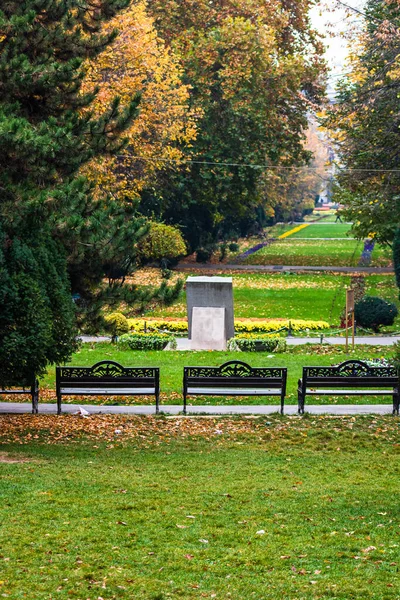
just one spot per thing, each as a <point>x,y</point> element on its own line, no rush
<point>86,521</point>
<point>172,363</point>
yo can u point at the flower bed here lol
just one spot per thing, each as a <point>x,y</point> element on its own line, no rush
<point>242,326</point>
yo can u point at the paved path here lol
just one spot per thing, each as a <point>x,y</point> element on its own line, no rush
<point>370,340</point>
<point>184,344</point>
<point>273,268</point>
<point>290,409</point>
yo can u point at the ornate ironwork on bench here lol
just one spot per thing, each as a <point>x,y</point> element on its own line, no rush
<point>107,378</point>
<point>30,389</point>
<point>234,378</point>
<point>353,378</point>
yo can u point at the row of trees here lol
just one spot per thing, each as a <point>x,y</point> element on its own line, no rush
<point>365,124</point>
<point>115,112</point>
<point>224,86</point>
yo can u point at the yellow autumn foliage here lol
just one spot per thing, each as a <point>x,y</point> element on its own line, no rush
<point>138,62</point>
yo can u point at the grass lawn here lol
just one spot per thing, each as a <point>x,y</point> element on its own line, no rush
<point>317,296</point>
<point>171,364</point>
<point>226,508</point>
<point>292,251</point>
<point>322,230</point>
<point>278,296</point>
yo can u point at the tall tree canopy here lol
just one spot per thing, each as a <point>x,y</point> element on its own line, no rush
<point>366,125</point>
<point>138,61</point>
<point>47,211</point>
<point>253,67</point>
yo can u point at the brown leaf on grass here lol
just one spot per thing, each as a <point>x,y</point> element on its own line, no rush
<point>189,556</point>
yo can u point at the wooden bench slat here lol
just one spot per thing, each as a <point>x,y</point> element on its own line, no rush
<point>105,391</point>
<point>234,391</point>
<point>352,392</point>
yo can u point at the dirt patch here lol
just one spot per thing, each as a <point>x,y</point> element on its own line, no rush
<point>8,458</point>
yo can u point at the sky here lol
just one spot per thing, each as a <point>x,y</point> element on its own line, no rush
<point>332,21</point>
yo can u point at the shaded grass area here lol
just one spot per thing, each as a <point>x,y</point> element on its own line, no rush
<point>293,251</point>
<point>290,508</point>
<point>171,364</point>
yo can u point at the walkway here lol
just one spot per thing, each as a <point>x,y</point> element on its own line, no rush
<point>290,409</point>
<point>274,268</point>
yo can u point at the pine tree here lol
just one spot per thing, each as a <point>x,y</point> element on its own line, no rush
<point>49,220</point>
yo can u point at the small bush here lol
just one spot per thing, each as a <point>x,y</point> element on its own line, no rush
<point>204,254</point>
<point>144,341</point>
<point>161,242</point>
<point>233,247</point>
<point>117,324</point>
<point>260,344</point>
<point>372,312</point>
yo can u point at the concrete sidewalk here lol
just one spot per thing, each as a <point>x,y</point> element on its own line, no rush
<point>278,268</point>
<point>175,409</point>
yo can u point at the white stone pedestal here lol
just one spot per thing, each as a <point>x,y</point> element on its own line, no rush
<point>208,329</point>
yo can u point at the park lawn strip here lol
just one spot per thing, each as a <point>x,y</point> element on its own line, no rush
<point>299,252</point>
<point>171,365</point>
<point>322,230</point>
<point>193,508</point>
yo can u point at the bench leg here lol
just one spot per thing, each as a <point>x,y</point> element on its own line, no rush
<point>184,402</point>
<point>396,402</point>
<point>300,402</point>
<point>35,398</point>
<point>59,404</point>
<point>157,403</point>
<point>282,403</point>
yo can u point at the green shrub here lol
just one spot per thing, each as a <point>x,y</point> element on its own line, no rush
<point>145,341</point>
<point>262,344</point>
<point>233,247</point>
<point>117,324</point>
<point>161,242</point>
<point>204,254</point>
<point>373,312</point>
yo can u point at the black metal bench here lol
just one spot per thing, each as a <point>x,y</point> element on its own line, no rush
<point>352,377</point>
<point>31,390</point>
<point>107,378</point>
<point>234,378</point>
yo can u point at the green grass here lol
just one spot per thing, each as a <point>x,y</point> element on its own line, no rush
<point>87,519</point>
<point>292,251</point>
<point>317,296</point>
<point>171,364</point>
<point>332,230</point>
<point>279,296</point>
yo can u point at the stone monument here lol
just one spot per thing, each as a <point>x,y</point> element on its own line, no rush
<point>209,328</point>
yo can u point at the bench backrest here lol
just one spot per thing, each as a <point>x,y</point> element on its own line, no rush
<point>351,373</point>
<point>107,373</point>
<point>235,374</point>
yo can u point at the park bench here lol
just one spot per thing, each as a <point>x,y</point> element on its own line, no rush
<point>352,377</point>
<point>234,378</point>
<point>107,378</point>
<point>30,389</point>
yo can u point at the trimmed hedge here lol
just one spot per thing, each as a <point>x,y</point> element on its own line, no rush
<point>145,341</point>
<point>258,344</point>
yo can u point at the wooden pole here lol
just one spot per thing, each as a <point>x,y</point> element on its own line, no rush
<point>347,329</point>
